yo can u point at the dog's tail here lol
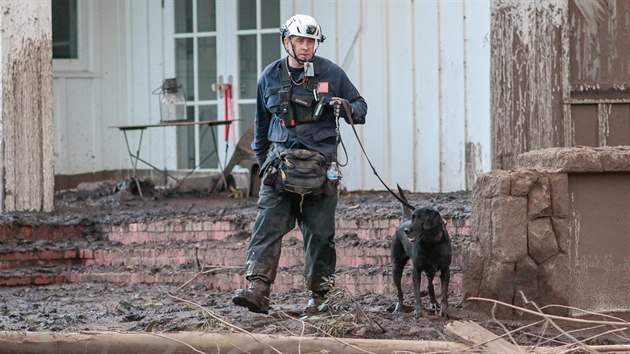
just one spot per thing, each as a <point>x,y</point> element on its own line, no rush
<point>406,212</point>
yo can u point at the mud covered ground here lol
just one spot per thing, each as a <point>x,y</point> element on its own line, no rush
<point>165,308</point>
<point>118,202</point>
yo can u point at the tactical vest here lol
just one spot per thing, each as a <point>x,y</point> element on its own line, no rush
<point>298,107</point>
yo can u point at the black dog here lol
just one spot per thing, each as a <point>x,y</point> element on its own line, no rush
<point>423,238</point>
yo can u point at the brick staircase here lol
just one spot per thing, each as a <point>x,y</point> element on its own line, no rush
<point>171,250</point>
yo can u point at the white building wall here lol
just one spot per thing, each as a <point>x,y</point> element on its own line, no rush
<point>111,86</point>
<point>477,88</point>
<point>422,66</point>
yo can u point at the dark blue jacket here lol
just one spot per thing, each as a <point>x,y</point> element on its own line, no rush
<point>318,136</point>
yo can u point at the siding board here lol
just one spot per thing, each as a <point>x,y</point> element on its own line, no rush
<point>477,99</point>
<point>427,110</point>
<point>401,133</point>
<point>452,99</point>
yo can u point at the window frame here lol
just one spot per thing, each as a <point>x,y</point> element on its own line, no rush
<point>83,63</point>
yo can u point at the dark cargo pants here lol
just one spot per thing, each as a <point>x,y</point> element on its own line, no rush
<point>277,214</point>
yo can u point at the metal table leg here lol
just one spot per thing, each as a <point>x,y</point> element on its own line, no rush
<point>134,159</point>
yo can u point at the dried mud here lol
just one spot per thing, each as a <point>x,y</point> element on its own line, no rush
<point>166,308</point>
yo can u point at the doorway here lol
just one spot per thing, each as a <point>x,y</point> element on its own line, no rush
<point>217,43</point>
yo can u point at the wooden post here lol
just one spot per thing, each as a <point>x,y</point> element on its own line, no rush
<point>184,342</point>
<point>26,103</point>
<point>528,77</point>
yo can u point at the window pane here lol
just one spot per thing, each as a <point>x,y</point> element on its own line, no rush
<point>186,143</point>
<point>246,14</point>
<point>207,67</point>
<point>247,66</point>
<point>206,15</point>
<point>246,114</point>
<point>208,143</point>
<point>270,48</point>
<point>183,16</point>
<point>270,13</point>
<point>184,65</point>
<point>64,29</point>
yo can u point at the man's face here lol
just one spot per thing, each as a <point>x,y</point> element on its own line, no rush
<point>303,47</point>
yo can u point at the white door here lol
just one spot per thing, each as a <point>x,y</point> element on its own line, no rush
<point>220,42</point>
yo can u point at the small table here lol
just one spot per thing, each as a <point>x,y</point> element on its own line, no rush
<point>135,157</point>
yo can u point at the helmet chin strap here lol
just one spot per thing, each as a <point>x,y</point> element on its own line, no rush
<point>301,62</point>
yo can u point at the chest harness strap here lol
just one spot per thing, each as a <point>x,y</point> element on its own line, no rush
<point>297,108</point>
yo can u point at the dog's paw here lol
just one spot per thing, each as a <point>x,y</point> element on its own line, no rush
<point>443,311</point>
<point>432,307</point>
<point>399,309</point>
<point>417,311</point>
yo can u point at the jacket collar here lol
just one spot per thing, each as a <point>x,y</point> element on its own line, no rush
<point>317,63</point>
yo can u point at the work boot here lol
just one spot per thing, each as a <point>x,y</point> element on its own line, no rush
<point>255,297</point>
<point>315,302</point>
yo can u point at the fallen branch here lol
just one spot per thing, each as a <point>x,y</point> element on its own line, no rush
<point>576,341</point>
<point>209,313</point>
<point>371,321</point>
<point>178,341</point>
<point>549,320</point>
<point>319,330</point>
<point>477,336</point>
<point>576,320</point>
<point>203,271</point>
<point>210,343</point>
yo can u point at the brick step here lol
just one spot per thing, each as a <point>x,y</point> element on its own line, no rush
<point>42,253</point>
<point>157,232</point>
<point>351,252</point>
<point>164,231</point>
<point>44,232</point>
<point>375,279</point>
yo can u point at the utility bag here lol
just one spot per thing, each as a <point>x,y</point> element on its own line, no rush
<point>302,171</point>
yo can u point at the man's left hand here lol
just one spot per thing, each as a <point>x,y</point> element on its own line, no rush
<point>338,104</point>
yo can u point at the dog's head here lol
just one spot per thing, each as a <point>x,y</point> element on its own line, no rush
<point>426,225</point>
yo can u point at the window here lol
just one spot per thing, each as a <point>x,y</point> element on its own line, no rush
<point>196,69</point>
<point>258,46</point>
<point>219,42</point>
<point>64,29</point>
<point>70,33</point>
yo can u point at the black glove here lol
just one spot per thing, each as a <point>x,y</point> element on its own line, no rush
<point>338,104</point>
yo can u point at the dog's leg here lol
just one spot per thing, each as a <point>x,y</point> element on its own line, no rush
<point>417,305</point>
<point>399,259</point>
<point>397,272</point>
<point>432,306</point>
<point>445,278</point>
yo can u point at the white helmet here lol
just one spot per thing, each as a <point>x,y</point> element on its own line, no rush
<point>303,26</point>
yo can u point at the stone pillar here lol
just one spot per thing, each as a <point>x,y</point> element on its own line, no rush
<point>521,251</point>
<point>553,230</point>
<point>26,124</point>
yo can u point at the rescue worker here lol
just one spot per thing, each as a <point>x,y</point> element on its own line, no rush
<point>298,96</point>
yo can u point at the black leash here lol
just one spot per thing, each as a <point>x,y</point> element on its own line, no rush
<point>346,107</point>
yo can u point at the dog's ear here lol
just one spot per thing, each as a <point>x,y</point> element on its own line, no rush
<point>432,219</point>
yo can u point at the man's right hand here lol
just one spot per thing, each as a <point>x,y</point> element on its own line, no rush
<point>338,104</point>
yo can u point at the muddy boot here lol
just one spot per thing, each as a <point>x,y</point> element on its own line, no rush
<point>255,297</point>
<point>315,302</point>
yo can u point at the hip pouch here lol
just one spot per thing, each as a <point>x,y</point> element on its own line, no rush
<point>302,171</point>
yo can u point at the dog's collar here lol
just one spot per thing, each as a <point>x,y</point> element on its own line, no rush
<point>438,239</point>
